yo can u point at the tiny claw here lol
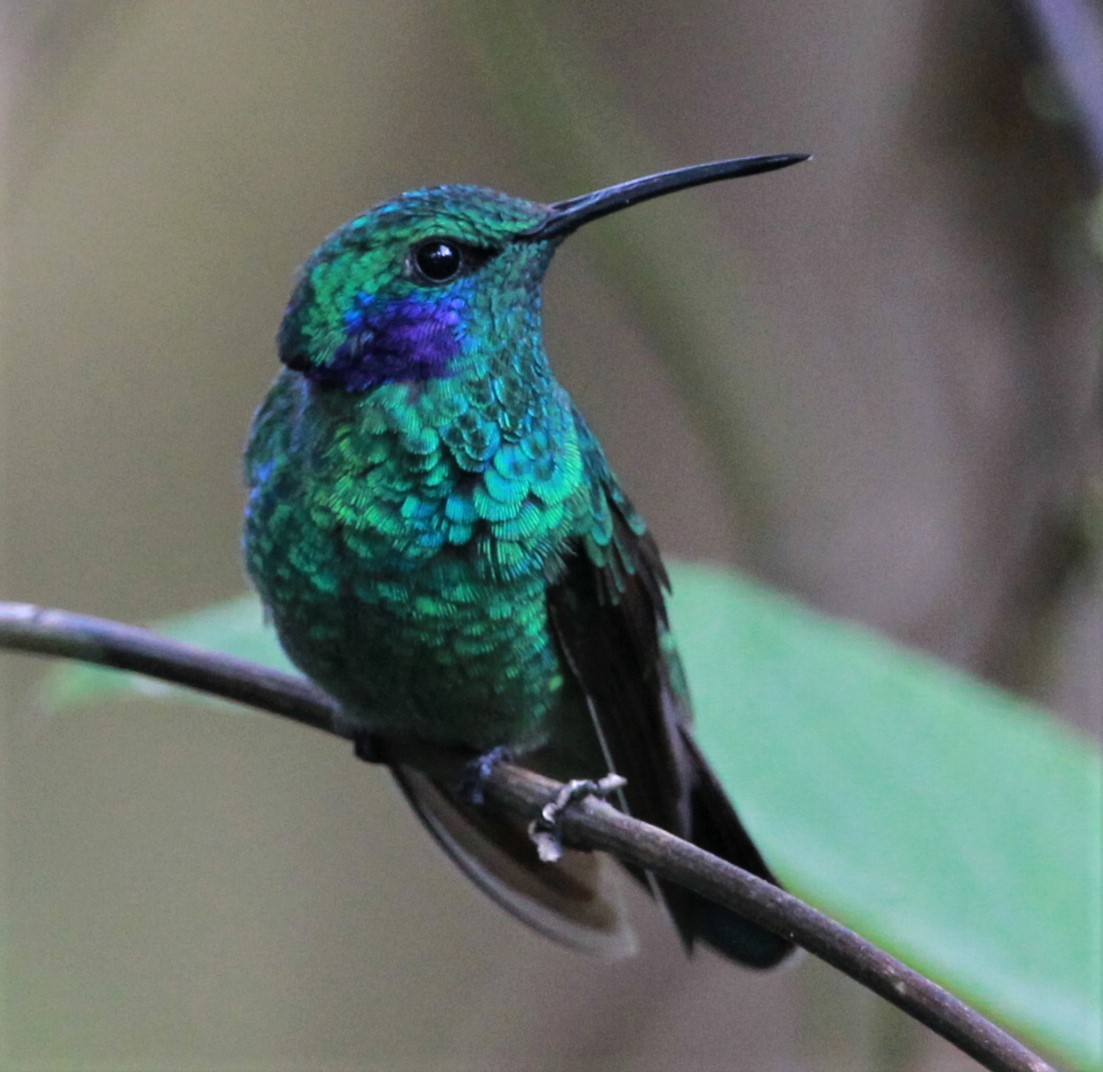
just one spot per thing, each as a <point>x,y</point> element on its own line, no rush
<point>473,783</point>
<point>544,829</point>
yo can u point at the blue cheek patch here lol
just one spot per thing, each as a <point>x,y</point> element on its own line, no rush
<point>395,341</point>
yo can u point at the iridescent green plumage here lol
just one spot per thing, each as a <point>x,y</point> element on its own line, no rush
<point>443,547</point>
<point>409,575</point>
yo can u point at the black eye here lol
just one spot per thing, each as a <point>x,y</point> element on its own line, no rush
<point>437,260</point>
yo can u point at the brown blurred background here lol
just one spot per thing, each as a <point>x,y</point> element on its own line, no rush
<point>873,380</point>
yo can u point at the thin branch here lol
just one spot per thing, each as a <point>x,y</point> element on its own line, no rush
<point>42,631</point>
<point>593,824</point>
<point>587,824</point>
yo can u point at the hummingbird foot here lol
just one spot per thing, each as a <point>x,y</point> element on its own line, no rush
<point>473,783</point>
<point>544,829</point>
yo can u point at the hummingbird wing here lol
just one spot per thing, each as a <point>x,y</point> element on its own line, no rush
<point>608,611</point>
<point>576,902</point>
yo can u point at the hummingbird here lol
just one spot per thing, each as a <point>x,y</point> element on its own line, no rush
<point>442,546</point>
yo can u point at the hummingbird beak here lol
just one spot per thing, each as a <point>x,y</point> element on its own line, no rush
<point>566,216</point>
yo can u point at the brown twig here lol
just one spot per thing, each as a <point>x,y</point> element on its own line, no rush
<point>586,824</point>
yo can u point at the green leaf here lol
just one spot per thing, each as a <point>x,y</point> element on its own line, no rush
<point>947,821</point>
<point>235,627</point>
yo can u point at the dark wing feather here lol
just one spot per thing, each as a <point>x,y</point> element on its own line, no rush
<point>609,615</point>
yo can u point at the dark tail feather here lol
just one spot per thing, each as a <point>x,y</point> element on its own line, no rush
<point>715,827</point>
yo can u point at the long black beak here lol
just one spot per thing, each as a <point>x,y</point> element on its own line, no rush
<point>566,216</point>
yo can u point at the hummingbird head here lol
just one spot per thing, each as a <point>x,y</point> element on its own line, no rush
<point>399,293</point>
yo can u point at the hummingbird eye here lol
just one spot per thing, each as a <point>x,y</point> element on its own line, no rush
<point>437,260</point>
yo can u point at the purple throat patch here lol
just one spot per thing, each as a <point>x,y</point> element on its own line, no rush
<point>386,341</point>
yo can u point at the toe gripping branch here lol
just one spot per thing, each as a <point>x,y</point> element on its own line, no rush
<point>544,829</point>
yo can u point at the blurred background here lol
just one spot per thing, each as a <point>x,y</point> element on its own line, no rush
<point>872,380</point>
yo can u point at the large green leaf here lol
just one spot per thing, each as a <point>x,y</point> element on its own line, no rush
<point>943,819</point>
<point>947,821</point>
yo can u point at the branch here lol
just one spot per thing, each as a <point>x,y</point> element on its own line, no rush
<point>587,824</point>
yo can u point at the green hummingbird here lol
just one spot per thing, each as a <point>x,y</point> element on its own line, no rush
<point>443,547</point>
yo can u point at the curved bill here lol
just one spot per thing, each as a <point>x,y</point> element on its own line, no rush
<point>565,216</point>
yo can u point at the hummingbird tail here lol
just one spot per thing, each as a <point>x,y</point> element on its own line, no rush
<point>715,827</point>
<point>575,902</point>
